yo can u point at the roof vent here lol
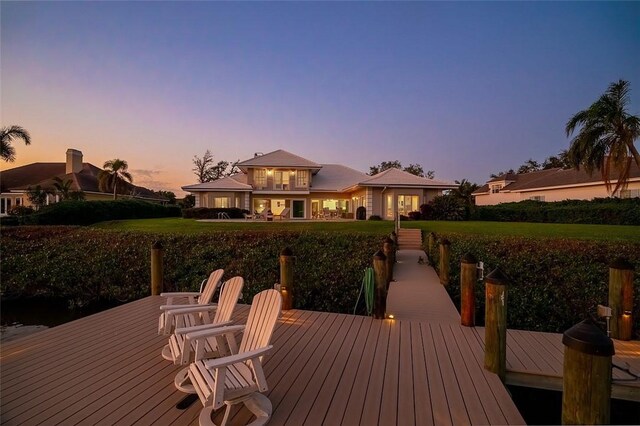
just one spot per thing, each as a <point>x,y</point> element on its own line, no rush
<point>257,154</point>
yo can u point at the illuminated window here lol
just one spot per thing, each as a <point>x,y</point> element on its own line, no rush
<point>277,179</point>
<point>260,178</point>
<point>301,178</point>
<point>407,203</point>
<point>221,202</point>
<point>389,206</point>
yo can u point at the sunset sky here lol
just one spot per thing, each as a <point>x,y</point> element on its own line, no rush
<point>465,89</point>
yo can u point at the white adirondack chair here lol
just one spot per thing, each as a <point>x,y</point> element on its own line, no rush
<point>203,297</point>
<point>238,378</point>
<point>179,348</point>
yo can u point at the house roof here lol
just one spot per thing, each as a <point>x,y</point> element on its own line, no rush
<point>21,178</point>
<point>555,177</point>
<point>228,183</point>
<point>279,158</point>
<point>336,177</point>
<point>397,177</point>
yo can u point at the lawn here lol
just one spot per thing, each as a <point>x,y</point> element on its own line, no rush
<point>534,230</point>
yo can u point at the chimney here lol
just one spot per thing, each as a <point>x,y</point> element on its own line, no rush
<point>74,161</point>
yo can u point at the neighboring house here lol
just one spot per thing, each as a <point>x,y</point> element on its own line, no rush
<point>280,180</point>
<point>14,183</point>
<point>553,185</point>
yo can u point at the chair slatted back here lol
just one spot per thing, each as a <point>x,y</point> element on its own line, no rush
<point>228,299</point>
<point>210,288</point>
<point>263,315</point>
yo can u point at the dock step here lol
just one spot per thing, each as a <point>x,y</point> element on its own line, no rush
<point>409,239</point>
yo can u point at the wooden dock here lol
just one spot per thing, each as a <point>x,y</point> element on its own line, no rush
<point>325,369</point>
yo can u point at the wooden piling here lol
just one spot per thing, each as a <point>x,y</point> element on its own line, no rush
<point>286,278</point>
<point>495,346</point>
<point>445,248</point>
<point>621,299</point>
<point>468,278</point>
<point>586,376</point>
<point>389,251</point>
<point>157,271</point>
<point>380,293</point>
<point>431,246</point>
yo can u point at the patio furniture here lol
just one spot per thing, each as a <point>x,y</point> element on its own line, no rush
<point>238,378</point>
<point>180,347</point>
<point>284,214</point>
<point>203,297</point>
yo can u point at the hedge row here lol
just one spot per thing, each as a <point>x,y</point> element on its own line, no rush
<point>212,213</point>
<point>89,212</point>
<point>604,211</point>
<point>84,265</point>
<point>554,284</point>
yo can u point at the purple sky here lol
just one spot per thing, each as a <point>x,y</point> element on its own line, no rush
<point>465,89</point>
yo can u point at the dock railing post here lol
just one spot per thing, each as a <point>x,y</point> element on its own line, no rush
<point>431,246</point>
<point>495,342</point>
<point>586,375</point>
<point>468,278</point>
<point>380,294</point>
<point>286,278</point>
<point>621,299</point>
<point>445,247</point>
<point>157,272</point>
<point>389,251</point>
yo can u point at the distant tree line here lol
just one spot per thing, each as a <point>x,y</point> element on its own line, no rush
<point>414,169</point>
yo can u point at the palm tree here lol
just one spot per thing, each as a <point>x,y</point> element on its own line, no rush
<point>63,187</point>
<point>114,171</point>
<point>606,138</point>
<point>8,134</point>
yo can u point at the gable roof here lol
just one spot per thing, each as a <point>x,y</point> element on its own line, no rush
<point>228,183</point>
<point>86,180</point>
<point>279,158</point>
<point>556,178</point>
<point>335,177</point>
<point>397,177</point>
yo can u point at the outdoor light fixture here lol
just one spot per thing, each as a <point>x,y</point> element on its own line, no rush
<point>390,316</point>
<point>605,311</point>
<point>480,268</point>
<point>269,172</point>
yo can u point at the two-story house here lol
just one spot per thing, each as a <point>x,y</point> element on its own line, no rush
<point>280,180</point>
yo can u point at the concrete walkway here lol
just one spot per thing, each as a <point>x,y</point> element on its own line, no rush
<point>416,294</point>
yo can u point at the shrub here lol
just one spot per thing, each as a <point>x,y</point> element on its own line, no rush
<point>208,213</point>
<point>89,212</point>
<point>554,283</point>
<point>415,216</point>
<point>21,211</point>
<point>609,211</point>
<point>375,217</point>
<point>447,207</point>
<point>85,264</point>
<point>361,213</point>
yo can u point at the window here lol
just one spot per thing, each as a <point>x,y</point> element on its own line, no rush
<point>18,201</point>
<point>221,202</point>
<point>277,179</point>
<point>301,178</point>
<point>260,178</point>
<point>389,206</point>
<point>407,203</point>
<point>495,188</point>
<point>630,193</point>
<point>537,198</point>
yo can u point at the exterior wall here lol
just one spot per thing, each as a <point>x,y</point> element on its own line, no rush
<point>560,194</point>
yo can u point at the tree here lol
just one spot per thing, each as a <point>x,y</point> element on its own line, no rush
<point>529,166</point>
<point>7,135</point>
<point>38,196</point>
<point>606,136</point>
<point>464,191</point>
<point>62,188</point>
<point>414,169</point>
<point>207,170</point>
<point>557,161</point>
<point>187,202</point>
<point>506,172</point>
<point>169,195</point>
<point>115,171</point>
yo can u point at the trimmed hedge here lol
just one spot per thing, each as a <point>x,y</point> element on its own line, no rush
<point>554,284</point>
<point>209,213</point>
<point>89,212</point>
<point>602,211</point>
<point>84,265</point>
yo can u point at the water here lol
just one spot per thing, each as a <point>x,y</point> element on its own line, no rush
<point>21,317</point>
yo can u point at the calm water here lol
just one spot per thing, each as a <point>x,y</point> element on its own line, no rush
<point>19,318</point>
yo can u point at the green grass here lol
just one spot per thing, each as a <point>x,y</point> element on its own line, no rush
<point>534,230</point>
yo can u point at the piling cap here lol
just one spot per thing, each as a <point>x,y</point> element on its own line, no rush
<point>469,258</point>
<point>286,252</point>
<point>157,245</point>
<point>393,233</point>
<point>588,338</point>
<point>445,242</point>
<point>388,240</point>
<point>379,255</point>
<point>497,277</point>
<point>621,263</point>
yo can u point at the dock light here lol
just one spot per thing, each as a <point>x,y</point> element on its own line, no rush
<point>390,316</point>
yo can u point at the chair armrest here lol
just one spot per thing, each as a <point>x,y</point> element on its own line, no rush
<point>214,331</point>
<point>234,359</point>
<point>181,294</point>
<point>188,309</point>
<point>187,330</point>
